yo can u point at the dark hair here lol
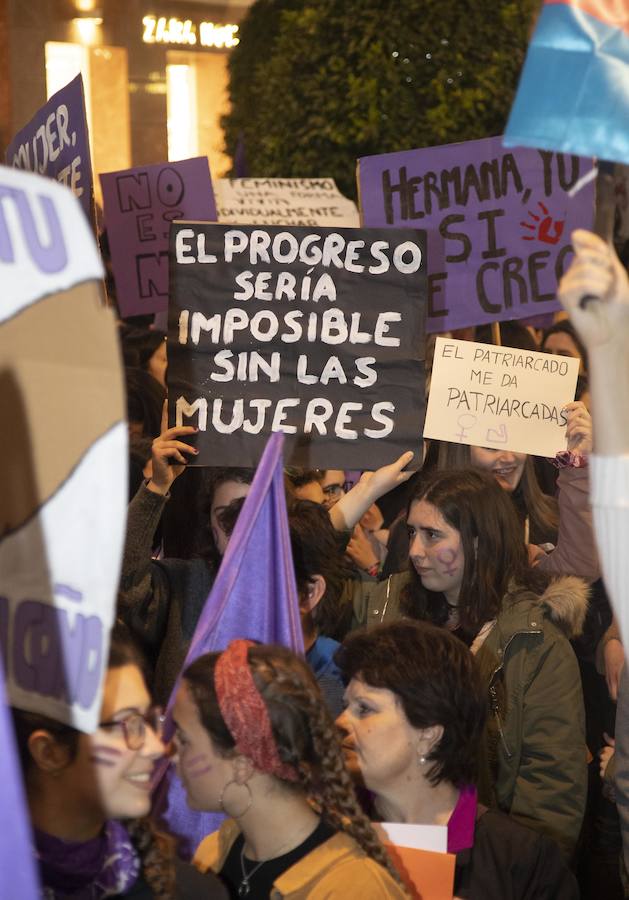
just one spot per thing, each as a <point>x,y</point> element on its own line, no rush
<point>565,326</point>
<point>436,680</point>
<point>155,850</point>
<point>316,550</point>
<point>300,477</point>
<point>145,399</point>
<point>496,557</point>
<point>304,732</point>
<point>139,344</point>
<point>512,334</point>
<point>528,498</point>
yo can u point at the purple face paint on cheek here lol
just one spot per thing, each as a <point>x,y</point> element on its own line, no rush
<point>104,756</point>
<point>199,772</point>
<point>192,769</point>
<point>196,760</point>
<point>446,558</point>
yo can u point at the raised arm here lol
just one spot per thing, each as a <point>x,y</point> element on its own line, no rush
<point>372,485</point>
<point>144,596</point>
<point>595,292</point>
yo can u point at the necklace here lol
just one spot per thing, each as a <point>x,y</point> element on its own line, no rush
<point>244,888</point>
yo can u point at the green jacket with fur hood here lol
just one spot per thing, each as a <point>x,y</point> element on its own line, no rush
<point>534,764</point>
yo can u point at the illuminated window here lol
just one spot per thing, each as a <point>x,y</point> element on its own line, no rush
<point>182,112</point>
<point>63,63</point>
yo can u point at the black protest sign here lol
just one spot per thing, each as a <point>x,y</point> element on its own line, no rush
<point>315,332</point>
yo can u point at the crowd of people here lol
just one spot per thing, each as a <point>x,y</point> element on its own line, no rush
<point>463,633</point>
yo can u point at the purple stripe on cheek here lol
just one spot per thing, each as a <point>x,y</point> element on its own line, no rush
<point>108,751</point>
<point>197,759</point>
<point>199,772</point>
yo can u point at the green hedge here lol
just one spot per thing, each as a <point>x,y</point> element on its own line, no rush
<point>315,85</point>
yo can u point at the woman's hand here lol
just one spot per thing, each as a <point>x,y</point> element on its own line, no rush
<point>605,754</point>
<point>595,291</point>
<point>614,656</point>
<point>372,485</point>
<point>360,550</point>
<point>579,428</point>
<point>167,450</point>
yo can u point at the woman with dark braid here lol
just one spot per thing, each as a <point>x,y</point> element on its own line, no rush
<point>255,740</point>
<point>89,796</point>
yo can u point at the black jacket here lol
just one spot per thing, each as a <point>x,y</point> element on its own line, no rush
<point>511,862</point>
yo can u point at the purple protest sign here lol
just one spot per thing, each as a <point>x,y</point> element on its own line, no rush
<point>55,143</point>
<point>498,220</point>
<point>18,877</point>
<point>139,205</point>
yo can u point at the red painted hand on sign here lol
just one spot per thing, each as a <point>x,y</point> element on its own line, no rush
<point>546,229</point>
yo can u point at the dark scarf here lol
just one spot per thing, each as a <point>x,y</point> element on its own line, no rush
<point>87,870</point>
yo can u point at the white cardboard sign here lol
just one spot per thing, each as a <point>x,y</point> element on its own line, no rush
<point>63,502</point>
<point>284,201</point>
<point>499,397</point>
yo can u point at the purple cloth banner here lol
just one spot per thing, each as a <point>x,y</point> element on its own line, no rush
<point>255,597</point>
<point>55,144</point>
<point>499,224</point>
<point>139,205</point>
<point>18,876</point>
<point>573,94</point>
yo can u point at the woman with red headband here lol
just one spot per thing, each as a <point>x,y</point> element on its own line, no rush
<point>254,740</point>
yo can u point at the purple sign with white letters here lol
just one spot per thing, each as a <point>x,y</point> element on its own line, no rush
<point>55,143</point>
<point>139,205</point>
<point>499,222</point>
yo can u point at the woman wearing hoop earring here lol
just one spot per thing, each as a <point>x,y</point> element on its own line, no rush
<point>255,740</point>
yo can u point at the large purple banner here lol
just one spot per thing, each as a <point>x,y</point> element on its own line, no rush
<point>139,205</point>
<point>499,223</point>
<point>55,143</point>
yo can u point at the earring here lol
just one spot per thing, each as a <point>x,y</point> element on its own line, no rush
<point>421,759</point>
<point>249,800</point>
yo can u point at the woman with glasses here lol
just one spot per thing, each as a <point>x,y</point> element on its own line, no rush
<point>89,795</point>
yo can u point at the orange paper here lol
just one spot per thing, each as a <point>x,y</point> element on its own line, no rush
<point>426,875</point>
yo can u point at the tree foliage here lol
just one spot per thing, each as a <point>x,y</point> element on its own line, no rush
<point>315,84</point>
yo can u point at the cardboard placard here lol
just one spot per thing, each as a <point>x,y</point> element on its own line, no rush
<point>284,201</point>
<point>499,223</point>
<point>139,205</point>
<point>55,143</point>
<point>62,511</point>
<point>313,332</point>
<point>499,397</point>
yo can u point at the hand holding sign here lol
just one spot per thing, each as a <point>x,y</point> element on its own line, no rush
<point>579,428</point>
<point>596,274</point>
<point>166,451</point>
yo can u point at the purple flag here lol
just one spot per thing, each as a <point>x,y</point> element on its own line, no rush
<point>18,877</point>
<point>255,597</point>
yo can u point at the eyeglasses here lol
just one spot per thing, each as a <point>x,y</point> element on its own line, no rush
<point>331,490</point>
<point>134,726</point>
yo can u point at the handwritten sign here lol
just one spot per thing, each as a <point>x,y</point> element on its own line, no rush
<point>139,205</point>
<point>55,143</point>
<point>499,224</point>
<point>499,397</point>
<point>284,201</point>
<point>314,332</point>
<point>62,510</point>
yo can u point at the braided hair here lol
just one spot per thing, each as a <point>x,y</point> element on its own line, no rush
<point>305,735</point>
